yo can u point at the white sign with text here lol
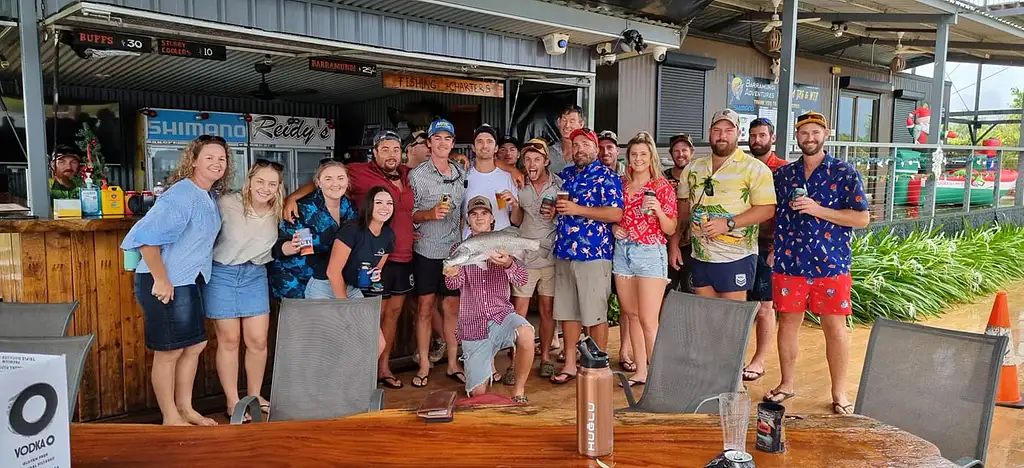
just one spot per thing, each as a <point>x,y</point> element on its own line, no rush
<point>286,131</point>
<point>34,398</point>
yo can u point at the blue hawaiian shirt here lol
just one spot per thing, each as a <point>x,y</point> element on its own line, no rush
<point>289,274</point>
<point>583,239</point>
<point>808,246</point>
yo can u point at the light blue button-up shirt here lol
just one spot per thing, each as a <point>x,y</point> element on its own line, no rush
<point>184,222</point>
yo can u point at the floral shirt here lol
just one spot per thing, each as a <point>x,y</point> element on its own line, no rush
<point>580,238</point>
<point>809,246</point>
<point>741,183</point>
<point>645,228</point>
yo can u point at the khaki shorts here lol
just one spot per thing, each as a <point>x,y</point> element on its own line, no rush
<point>583,290</point>
<point>541,279</point>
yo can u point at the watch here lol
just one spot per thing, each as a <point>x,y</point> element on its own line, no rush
<point>731,223</point>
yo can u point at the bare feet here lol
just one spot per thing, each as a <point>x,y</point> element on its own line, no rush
<point>175,422</point>
<point>196,419</point>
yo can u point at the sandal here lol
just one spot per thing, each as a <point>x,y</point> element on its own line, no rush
<point>510,376</point>
<point>390,382</point>
<point>754,375</point>
<point>521,399</point>
<point>547,369</point>
<point>422,381</point>
<point>770,397</point>
<point>633,383</point>
<point>843,410</point>
<point>627,365</point>
<point>457,376</point>
<point>265,408</point>
<point>245,420</point>
<point>559,381</point>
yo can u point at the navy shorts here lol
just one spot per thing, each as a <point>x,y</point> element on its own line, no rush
<point>725,277</point>
<point>177,324</point>
<point>762,291</point>
<point>429,276</point>
<point>397,279</point>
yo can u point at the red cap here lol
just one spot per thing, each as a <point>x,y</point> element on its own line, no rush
<point>585,132</point>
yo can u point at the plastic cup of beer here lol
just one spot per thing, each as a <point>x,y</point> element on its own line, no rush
<point>562,195</point>
<point>501,201</point>
<point>734,414</point>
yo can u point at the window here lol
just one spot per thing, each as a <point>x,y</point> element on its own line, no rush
<point>680,103</point>
<point>858,117</point>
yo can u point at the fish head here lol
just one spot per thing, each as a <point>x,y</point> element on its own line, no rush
<point>459,257</point>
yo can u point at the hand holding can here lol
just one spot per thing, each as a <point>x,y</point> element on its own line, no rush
<point>305,241</point>
<point>650,200</point>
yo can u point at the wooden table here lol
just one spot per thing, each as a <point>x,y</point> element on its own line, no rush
<point>506,437</point>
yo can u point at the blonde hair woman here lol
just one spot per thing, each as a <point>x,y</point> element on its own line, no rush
<point>237,297</point>
<point>175,240</point>
<point>640,260</point>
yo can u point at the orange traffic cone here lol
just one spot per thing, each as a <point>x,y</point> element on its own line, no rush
<point>1008,393</point>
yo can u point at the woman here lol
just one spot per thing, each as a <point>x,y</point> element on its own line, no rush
<point>640,261</point>
<point>321,212</point>
<point>237,297</point>
<point>175,240</point>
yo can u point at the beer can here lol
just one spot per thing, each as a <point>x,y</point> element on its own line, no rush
<point>446,199</point>
<point>732,459</point>
<point>364,275</point>
<point>799,192</point>
<point>771,436</point>
<point>305,241</point>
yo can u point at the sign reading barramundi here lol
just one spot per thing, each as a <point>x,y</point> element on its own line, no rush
<point>281,130</point>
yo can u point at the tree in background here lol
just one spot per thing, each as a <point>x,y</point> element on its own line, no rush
<point>1008,133</point>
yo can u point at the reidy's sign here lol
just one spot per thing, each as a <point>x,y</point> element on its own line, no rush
<point>443,84</point>
<point>283,130</point>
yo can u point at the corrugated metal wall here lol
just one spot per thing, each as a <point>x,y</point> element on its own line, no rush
<point>8,8</point>
<point>606,98</point>
<point>638,88</point>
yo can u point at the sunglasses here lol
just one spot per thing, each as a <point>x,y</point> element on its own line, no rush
<point>329,159</point>
<point>709,187</point>
<point>205,138</point>
<point>266,162</point>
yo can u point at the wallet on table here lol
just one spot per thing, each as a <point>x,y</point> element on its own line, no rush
<point>438,406</point>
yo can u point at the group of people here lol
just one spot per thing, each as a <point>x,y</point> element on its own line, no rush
<point>384,228</point>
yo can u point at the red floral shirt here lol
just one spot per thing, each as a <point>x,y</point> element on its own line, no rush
<point>645,228</point>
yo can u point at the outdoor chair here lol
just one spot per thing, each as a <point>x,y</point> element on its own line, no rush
<point>19,319</point>
<point>325,362</point>
<point>698,353</point>
<point>75,350</point>
<point>937,384</point>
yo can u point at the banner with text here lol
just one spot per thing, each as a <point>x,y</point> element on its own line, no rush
<point>753,97</point>
<point>286,131</point>
<point>443,84</point>
<point>34,392</point>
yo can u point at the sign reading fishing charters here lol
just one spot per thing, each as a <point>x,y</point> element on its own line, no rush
<point>183,126</point>
<point>443,84</point>
<point>288,131</point>
<point>753,97</point>
<point>34,390</point>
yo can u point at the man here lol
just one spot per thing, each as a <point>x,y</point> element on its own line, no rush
<point>416,150</point>
<point>761,140</point>
<point>813,230</point>
<point>726,195</point>
<point>538,222</point>
<point>583,247</point>
<point>486,179</point>
<point>508,150</point>
<point>679,277</point>
<point>487,322</point>
<point>608,150</point>
<point>560,153</point>
<point>64,165</point>
<point>438,186</point>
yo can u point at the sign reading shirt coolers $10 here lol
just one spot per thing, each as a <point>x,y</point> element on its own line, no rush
<point>287,131</point>
<point>34,399</point>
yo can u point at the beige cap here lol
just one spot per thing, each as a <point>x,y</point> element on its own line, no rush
<point>479,201</point>
<point>726,114</point>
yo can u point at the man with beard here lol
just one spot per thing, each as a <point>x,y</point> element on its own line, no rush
<point>64,165</point>
<point>508,150</point>
<point>821,200</point>
<point>726,195</point>
<point>761,140</point>
<point>560,153</point>
<point>589,203</point>
<point>386,170</point>
<point>608,150</point>
<point>679,277</point>
<point>486,179</point>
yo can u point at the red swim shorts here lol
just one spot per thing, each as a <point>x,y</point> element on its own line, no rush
<point>820,296</point>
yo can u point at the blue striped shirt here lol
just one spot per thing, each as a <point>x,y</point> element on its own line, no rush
<point>184,222</point>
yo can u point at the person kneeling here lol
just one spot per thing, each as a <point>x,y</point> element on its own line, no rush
<point>487,321</point>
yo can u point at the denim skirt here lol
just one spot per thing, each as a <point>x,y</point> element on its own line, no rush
<point>321,289</point>
<point>176,325</point>
<point>237,291</point>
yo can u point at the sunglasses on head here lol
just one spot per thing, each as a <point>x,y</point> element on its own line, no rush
<point>266,162</point>
<point>216,138</point>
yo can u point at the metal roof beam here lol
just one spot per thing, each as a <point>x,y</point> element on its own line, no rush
<point>999,60</point>
<point>971,113</point>
<point>864,17</point>
<point>718,26</point>
<point>906,30</point>
<point>1002,13</point>
<point>952,44</point>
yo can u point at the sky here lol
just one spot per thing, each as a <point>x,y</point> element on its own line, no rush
<point>996,82</point>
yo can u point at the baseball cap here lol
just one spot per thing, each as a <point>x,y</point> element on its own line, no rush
<point>485,128</point>
<point>386,135</point>
<point>478,201</point>
<point>811,117</point>
<point>682,137</point>
<point>726,114</point>
<point>536,144</point>
<point>585,132</point>
<point>440,125</point>
<point>608,135</point>
<point>508,139</point>
<point>65,151</point>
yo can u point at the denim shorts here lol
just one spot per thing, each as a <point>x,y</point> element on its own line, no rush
<point>321,289</point>
<point>478,355</point>
<point>176,325</point>
<point>237,291</point>
<point>634,259</point>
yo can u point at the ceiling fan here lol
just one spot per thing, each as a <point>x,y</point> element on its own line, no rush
<point>776,21</point>
<point>907,50</point>
<point>263,91</point>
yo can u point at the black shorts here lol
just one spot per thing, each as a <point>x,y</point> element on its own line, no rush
<point>176,325</point>
<point>397,278</point>
<point>681,280</point>
<point>762,291</point>
<point>429,277</point>
<point>725,277</point>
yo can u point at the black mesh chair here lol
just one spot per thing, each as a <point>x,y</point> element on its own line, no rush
<point>75,350</point>
<point>937,384</point>
<point>698,354</point>
<point>325,361</point>
<point>28,319</point>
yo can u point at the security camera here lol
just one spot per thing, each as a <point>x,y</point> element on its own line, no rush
<point>605,48</point>
<point>556,43</point>
<point>632,40</point>
<point>839,28</point>
<point>608,59</point>
<point>660,52</point>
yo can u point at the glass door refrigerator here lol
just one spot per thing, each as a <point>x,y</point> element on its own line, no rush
<point>298,143</point>
<point>168,131</point>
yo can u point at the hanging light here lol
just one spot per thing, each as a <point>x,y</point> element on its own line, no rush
<point>898,64</point>
<point>773,40</point>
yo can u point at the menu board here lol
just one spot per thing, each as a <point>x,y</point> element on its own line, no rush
<point>754,97</point>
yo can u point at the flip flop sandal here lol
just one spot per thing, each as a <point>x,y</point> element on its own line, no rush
<point>842,410</point>
<point>510,376</point>
<point>521,399</point>
<point>265,409</point>
<point>390,382</point>
<point>547,369</point>
<point>568,378</point>
<point>757,375</point>
<point>457,376</point>
<point>246,420</point>
<point>633,383</point>
<point>627,365</point>
<point>423,380</point>
<point>770,396</point>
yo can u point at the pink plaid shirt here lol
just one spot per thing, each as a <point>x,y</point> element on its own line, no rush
<point>484,296</point>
